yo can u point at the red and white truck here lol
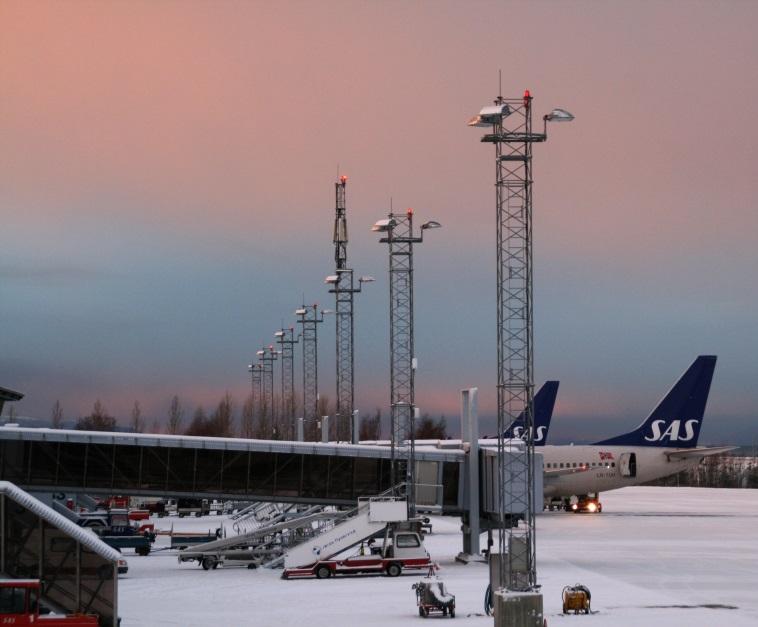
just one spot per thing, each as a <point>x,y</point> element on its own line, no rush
<point>19,605</point>
<point>402,547</point>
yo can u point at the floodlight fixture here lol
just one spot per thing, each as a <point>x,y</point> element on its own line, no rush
<point>327,311</point>
<point>490,115</point>
<point>559,115</point>
<point>382,226</point>
<point>366,279</point>
<point>332,279</point>
<point>279,334</point>
<point>431,224</point>
<point>300,312</point>
<point>260,353</point>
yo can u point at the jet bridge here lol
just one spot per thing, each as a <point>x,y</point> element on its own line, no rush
<point>69,461</point>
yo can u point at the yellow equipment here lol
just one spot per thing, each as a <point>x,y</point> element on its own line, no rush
<point>576,599</point>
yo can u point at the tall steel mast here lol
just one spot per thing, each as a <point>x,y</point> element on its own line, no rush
<point>310,317</point>
<point>344,293</point>
<point>510,120</point>
<point>256,374</point>
<point>268,356</point>
<point>287,340</point>
<point>400,238</point>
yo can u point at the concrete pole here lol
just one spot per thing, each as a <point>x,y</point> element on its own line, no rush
<point>356,426</point>
<point>324,429</point>
<point>300,429</point>
<point>470,436</point>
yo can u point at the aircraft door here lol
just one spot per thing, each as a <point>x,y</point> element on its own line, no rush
<point>628,464</point>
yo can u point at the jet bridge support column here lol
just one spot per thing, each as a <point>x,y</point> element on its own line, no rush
<point>356,427</point>
<point>470,434</point>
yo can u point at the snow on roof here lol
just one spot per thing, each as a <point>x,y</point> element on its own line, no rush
<point>84,537</point>
<point>234,444</point>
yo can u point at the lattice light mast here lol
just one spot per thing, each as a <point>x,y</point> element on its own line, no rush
<point>287,340</point>
<point>256,375</point>
<point>310,317</point>
<point>510,120</point>
<point>267,357</point>
<point>397,232</point>
<point>344,291</point>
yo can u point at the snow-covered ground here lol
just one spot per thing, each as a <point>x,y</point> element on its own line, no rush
<point>655,556</point>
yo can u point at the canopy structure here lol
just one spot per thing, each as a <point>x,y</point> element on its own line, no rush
<point>77,570</point>
<point>8,395</point>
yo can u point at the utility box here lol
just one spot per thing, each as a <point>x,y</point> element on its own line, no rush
<point>518,609</point>
<point>387,510</point>
<point>518,576</point>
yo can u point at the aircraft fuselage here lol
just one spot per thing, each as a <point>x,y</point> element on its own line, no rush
<point>600,468</point>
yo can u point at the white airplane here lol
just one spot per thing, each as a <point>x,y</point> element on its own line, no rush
<point>664,444</point>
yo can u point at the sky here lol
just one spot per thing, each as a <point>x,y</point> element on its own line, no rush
<point>167,196</point>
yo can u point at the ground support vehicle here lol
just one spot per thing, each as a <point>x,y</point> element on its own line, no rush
<point>139,514</point>
<point>123,567</point>
<point>121,534</point>
<point>401,550</point>
<point>585,504</point>
<point>402,547</point>
<point>432,596</point>
<point>20,605</point>
<point>189,507</point>
<point>263,545</point>
<point>184,540</point>
<point>141,543</point>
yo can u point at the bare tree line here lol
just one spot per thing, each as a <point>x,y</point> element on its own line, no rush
<point>718,471</point>
<point>255,420</point>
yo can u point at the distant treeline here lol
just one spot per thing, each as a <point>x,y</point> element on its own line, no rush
<point>719,471</point>
<point>253,420</point>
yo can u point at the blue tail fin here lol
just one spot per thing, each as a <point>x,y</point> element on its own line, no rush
<point>676,422</point>
<point>544,401</point>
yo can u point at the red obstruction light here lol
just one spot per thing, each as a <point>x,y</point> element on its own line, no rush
<point>343,179</point>
<point>409,211</point>
<point>527,97</point>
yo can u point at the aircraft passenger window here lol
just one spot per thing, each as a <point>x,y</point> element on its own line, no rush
<point>561,464</point>
<point>574,464</point>
<point>613,464</point>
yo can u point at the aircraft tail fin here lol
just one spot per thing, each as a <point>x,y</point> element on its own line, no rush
<point>676,421</point>
<point>544,402</point>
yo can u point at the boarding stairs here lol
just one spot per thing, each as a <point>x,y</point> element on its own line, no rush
<point>61,508</point>
<point>266,541</point>
<point>368,519</point>
<point>260,515</point>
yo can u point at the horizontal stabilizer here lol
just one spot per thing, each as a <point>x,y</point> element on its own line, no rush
<point>701,451</point>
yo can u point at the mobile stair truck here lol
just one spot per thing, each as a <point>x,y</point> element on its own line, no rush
<point>402,547</point>
<point>261,544</point>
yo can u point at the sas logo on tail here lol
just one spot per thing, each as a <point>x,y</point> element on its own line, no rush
<point>518,432</point>
<point>673,431</point>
